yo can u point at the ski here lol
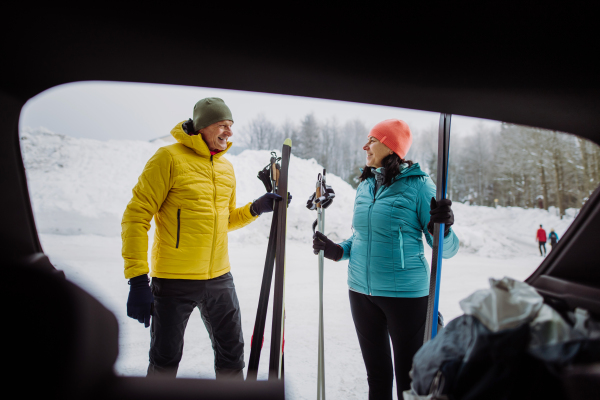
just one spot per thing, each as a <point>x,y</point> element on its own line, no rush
<point>270,177</point>
<point>431,322</point>
<point>277,331</point>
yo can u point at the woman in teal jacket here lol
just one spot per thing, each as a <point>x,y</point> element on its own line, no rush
<point>388,275</point>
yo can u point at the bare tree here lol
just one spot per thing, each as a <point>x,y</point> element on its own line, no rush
<point>261,134</point>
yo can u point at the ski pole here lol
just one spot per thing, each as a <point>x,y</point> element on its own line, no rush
<point>431,321</point>
<point>320,190</point>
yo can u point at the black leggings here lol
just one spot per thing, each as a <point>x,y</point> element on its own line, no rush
<point>377,319</point>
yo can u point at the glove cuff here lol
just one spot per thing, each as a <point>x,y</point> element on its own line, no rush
<point>340,253</point>
<point>430,229</point>
<point>252,212</point>
<point>138,281</point>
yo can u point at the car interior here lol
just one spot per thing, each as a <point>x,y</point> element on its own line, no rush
<point>506,65</point>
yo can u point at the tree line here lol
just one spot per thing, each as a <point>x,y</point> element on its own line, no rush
<point>514,165</point>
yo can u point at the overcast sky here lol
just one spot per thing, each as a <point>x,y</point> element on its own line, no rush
<point>135,111</point>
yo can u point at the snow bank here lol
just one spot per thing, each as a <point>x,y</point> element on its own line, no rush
<point>302,179</point>
<point>504,232</point>
<point>82,186</point>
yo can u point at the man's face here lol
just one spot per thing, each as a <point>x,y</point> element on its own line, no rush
<point>215,136</point>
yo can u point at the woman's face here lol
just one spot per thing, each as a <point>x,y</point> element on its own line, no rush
<point>376,152</point>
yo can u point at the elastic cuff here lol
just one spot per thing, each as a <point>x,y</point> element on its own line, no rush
<point>139,280</point>
<point>447,232</point>
<point>252,212</point>
<point>341,255</point>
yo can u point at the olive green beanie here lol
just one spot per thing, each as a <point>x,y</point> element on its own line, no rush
<point>210,110</point>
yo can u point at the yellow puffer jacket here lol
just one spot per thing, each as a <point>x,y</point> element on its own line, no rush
<point>191,196</point>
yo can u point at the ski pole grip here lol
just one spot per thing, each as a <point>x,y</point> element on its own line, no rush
<point>318,195</point>
<point>275,174</point>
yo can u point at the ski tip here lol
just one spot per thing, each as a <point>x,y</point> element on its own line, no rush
<point>288,142</point>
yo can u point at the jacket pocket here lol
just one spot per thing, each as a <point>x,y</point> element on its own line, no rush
<point>178,227</point>
<point>401,240</point>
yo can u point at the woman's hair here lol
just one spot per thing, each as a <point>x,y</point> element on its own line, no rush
<point>391,164</point>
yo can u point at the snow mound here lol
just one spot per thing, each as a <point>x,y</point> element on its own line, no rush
<point>302,180</point>
<point>82,186</point>
<point>504,232</point>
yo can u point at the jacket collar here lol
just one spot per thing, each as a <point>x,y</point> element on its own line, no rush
<point>414,170</point>
<point>195,142</point>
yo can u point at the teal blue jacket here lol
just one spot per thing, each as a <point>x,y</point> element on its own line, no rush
<point>386,248</point>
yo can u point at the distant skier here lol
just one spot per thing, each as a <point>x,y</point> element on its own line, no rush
<point>553,238</point>
<point>388,275</point>
<point>541,239</point>
<point>189,189</point>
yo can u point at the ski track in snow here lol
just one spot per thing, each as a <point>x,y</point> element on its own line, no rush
<point>79,189</point>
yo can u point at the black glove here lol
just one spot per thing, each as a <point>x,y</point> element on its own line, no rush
<point>140,303</point>
<point>332,251</point>
<point>265,203</point>
<point>325,199</point>
<point>441,213</point>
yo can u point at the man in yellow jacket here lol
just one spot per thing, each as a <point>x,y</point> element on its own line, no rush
<point>189,189</point>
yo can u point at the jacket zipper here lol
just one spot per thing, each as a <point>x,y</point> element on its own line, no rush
<point>369,249</point>
<point>212,251</point>
<point>369,244</point>
<point>178,226</point>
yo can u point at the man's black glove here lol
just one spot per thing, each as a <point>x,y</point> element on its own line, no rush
<point>265,203</point>
<point>140,303</point>
<point>326,199</point>
<point>441,213</point>
<point>331,250</point>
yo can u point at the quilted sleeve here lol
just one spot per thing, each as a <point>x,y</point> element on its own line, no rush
<point>346,246</point>
<point>426,192</point>
<point>238,217</point>
<point>148,195</point>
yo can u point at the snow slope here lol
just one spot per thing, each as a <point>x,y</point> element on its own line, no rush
<point>79,189</point>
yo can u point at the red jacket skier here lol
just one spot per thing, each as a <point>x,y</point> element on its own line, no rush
<point>541,239</point>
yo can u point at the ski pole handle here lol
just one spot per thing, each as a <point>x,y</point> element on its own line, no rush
<point>318,194</point>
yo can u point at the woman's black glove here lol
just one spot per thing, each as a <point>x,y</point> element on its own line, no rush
<point>441,213</point>
<point>332,251</point>
<point>265,203</point>
<point>140,301</point>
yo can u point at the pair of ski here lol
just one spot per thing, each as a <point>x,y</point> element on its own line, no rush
<point>431,321</point>
<point>276,181</point>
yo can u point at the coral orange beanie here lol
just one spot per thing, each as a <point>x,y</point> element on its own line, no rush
<point>395,134</point>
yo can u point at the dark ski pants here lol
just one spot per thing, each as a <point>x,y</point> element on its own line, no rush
<point>542,245</point>
<point>174,301</point>
<point>377,319</point>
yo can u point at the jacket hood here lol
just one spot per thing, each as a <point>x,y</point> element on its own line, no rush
<point>413,170</point>
<point>195,142</point>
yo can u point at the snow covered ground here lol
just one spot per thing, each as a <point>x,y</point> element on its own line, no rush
<point>79,189</point>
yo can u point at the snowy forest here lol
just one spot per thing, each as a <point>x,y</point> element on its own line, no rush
<point>512,166</point>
